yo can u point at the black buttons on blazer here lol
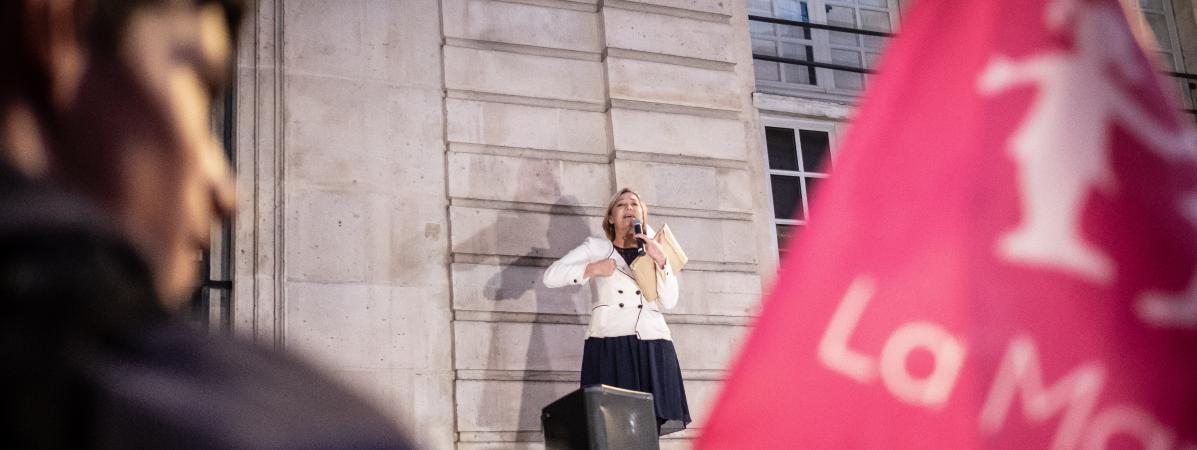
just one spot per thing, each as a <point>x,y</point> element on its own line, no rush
<point>621,291</point>
<point>637,292</point>
<point>621,305</point>
<point>640,306</point>
<point>575,280</point>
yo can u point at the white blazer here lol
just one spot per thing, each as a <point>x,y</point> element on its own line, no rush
<point>619,308</point>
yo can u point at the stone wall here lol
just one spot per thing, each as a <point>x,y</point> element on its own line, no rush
<point>552,105</point>
<point>341,236</point>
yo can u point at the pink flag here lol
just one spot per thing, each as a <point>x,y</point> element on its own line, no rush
<point>1005,256</point>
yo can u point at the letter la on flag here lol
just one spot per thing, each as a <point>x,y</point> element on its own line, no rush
<point>1004,256</point>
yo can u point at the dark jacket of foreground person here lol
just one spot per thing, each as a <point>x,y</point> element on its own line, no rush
<point>91,360</point>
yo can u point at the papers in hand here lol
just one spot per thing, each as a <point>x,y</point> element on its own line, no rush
<point>647,273</point>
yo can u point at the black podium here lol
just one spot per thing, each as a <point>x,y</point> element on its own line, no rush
<point>600,417</point>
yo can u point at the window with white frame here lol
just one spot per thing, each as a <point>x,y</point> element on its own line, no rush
<point>1161,18</point>
<point>799,153</point>
<point>1162,22</point>
<point>834,47</point>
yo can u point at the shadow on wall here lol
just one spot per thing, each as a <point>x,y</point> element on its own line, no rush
<point>565,231</point>
<point>517,288</point>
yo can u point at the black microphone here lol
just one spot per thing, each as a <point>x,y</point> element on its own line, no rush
<point>636,228</point>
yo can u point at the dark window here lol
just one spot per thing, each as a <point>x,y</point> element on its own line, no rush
<point>784,234</point>
<point>815,146</point>
<point>783,153</point>
<point>787,197</point>
<point>797,158</point>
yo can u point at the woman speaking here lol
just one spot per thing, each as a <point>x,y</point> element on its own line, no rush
<point>627,344</point>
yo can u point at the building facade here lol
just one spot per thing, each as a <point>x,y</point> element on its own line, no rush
<point>406,170</point>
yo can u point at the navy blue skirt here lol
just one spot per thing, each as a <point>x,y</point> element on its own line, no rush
<point>646,366</point>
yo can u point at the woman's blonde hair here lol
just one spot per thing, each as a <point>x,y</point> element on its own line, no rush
<point>608,226</point>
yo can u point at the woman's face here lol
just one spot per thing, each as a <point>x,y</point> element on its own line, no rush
<point>627,207</point>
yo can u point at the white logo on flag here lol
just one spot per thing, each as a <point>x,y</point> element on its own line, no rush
<point>1057,165</point>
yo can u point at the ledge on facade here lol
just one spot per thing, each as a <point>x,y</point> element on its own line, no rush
<point>464,94</point>
<point>669,108</point>
<point>529,153</point>
<point>575,5</point>
<point>706,16</point>
<point>804,107</point>
<point>582,319</point>
<point>700,63</point>
<point>500,437</point>
<point>523,49</point>
<point>567,376</point>
<point>632,155</point>
<point>535,261</point>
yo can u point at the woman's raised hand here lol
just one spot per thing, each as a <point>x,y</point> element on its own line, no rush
<point>653,249</point>
<point>602,268</point>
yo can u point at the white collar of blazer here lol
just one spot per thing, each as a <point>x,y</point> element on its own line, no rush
<point>620,264</point>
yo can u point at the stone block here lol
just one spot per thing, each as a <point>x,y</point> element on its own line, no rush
<point>671,84</point>
<point>519,233</point>
<point>522,24</point>
<point>518,346</point>
<point>518,289</point>
<point>337,236</point>
<point>678,134</point>
<point>736,188</point>
<point>357,326</point>
<point>415,249</point>
<point>521,126</point>
<point>686,186</point>
<point>364,135</point>
<point>711,240</point>
<point>529,180</point>
<point>706,347</point>
<point>717,293</point>
<point>418,399</point>
<point>325,236</point>
<point>701,397</point>
<point>523,75</point>
<point>668,35</point>
<point>488,405</point>
<point>392,42</point>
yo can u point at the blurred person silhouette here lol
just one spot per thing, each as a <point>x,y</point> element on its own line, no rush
<point>109,182</point>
